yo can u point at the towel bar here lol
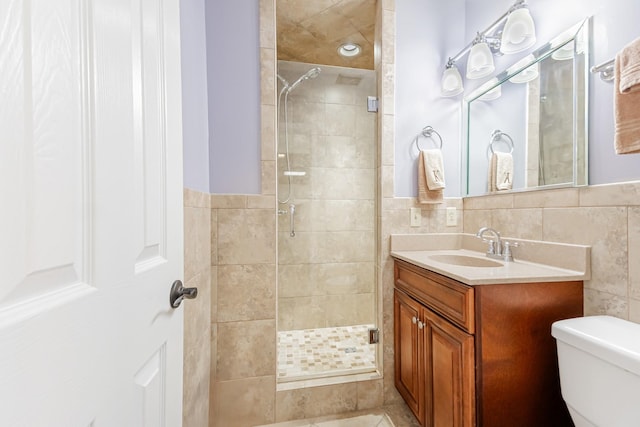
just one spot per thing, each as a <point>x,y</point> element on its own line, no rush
<point>605,69</point>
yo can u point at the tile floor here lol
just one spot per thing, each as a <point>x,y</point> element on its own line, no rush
<point>397,415</point>
<point>317,353</point>
<point>370,420</point>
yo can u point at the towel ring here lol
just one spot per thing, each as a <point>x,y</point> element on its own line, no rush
<point>427,132</point>
<point>498,135</point>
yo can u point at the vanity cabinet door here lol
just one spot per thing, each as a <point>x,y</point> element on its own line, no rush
<point>408,353</point>
<point>449,374</point>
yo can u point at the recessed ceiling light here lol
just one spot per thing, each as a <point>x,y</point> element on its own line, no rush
<point>349,49</point>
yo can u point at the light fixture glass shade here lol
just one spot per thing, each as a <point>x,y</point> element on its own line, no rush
<point>451,82</point>
<point>519,32</point>
<point>526,75</point>
<point>494,93</point>
<point>563,53</point>
<point>480,62</point>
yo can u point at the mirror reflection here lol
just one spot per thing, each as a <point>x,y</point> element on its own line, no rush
<point>527,127</point>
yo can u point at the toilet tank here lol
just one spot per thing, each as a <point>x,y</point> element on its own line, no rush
<point>599,362</point>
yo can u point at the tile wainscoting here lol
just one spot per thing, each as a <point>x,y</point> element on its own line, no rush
<point>606,217</point>
<point>197,312</point>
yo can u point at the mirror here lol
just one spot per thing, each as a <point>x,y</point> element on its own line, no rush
<point>534,116</point>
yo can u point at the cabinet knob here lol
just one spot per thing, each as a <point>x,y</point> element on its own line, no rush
<point>414,320</point>
<point>420,325</point>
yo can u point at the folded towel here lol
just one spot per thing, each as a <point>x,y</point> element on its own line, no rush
<point>434,168</point>
<point>425,194</point>
<point>491,179</point>
<point>626,97</point>
<point>630,67</point>
<point>501,172</point>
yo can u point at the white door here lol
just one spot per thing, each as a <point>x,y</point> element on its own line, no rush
<point>90,213</point>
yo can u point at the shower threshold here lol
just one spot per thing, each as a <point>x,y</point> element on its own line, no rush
<point>325,352</point>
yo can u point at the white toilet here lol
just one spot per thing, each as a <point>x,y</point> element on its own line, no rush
<point>599,362</point>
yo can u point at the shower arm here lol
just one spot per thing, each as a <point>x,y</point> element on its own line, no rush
<point>285,83</point>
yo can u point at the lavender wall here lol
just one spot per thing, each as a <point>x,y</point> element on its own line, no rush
<point>233,68</point>
<point>195,127</point>
<point>426,34</point>
<point>614,25</point>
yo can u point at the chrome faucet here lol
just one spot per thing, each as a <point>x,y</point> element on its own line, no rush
<point>497,248</point>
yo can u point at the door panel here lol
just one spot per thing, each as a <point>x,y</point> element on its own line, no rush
<point>46,223</point>
<point>149,119</point>
<point>150,392</point>
<point>450,374</point>
<point>408,353</point>
<point>90,213</point>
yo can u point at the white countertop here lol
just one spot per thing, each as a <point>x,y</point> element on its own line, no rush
<point>509,272</point>
<point>565,262</point>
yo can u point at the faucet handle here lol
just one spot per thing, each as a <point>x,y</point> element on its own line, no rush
<point>506,252</point>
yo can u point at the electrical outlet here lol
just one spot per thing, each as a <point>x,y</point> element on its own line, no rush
<point>416,217</point>
<point>452,217</point>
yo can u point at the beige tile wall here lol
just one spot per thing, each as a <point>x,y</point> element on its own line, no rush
<point>326,271</point>
<point>243,369</point>
<point>605,217</point>
<point>395,219</point>
<point>305,402</point>
<point>197,313</point>
<point>243,340</point>
<point>242,236</point>
<point>243,385</point>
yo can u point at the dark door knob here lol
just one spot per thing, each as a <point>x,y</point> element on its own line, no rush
<point>179,292</point>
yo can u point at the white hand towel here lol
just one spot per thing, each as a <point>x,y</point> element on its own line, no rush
<point>425,195</point>
<point>504,171</point>
<point>500,172</point>
<point>491,182</point>
<point>434,169</point>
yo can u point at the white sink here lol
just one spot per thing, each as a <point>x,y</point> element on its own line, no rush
<point>466,261</point>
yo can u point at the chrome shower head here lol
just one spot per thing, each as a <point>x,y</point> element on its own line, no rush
<point>311,74</point>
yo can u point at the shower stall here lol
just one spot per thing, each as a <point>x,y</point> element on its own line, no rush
<point>326,157</point>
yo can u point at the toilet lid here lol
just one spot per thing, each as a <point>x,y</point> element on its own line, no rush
<point>609,338</point>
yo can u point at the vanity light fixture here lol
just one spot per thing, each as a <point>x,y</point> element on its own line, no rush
<point>563,53</point>
<point>513,32</point>
<point>494,93</point>
<point>519,33</point>
<point>349,49</point>
<point>480,62</point>
<point>526,75</point>
<point>451,81</point>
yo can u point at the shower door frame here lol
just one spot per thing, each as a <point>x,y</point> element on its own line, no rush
<point>377,292</point>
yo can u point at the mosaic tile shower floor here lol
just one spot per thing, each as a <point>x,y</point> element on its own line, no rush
<point>317,353</point>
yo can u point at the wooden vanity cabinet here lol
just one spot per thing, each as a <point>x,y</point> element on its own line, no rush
<point>479,355</point>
